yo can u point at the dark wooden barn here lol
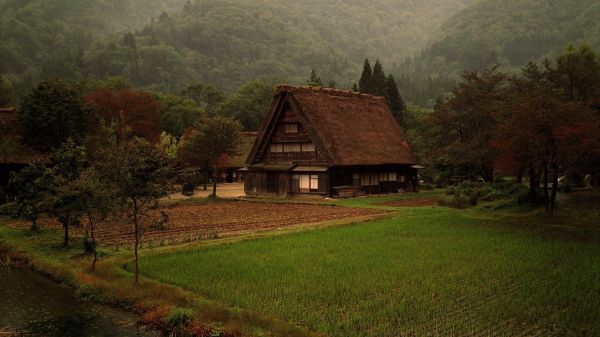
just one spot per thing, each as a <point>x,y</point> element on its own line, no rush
<point>326,142</point>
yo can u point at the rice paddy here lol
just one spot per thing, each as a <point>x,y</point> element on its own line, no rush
<point>428,271</point>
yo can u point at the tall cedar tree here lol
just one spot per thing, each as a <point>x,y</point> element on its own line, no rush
<point>51,113</point>
<point>378,81</point>
<point>135,113</point>
<point>394,100</point>
<point>365,82</point>
<point>215,137</point>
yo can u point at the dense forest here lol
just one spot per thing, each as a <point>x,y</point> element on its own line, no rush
<point>226,43</point>
<point>167,46</point>
<point>489,32</point>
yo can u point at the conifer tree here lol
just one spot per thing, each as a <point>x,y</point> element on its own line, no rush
<point>364,84</point>
<point>355,87</point>
<point>314,80</point>
<point>378,80</point>
<point>394,100</point>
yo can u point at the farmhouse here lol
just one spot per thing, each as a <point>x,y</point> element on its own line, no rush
<point>327,142</point>
<point>228,166</point>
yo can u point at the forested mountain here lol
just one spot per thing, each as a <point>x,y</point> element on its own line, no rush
<point>505,32</point>
<point>224,42</point>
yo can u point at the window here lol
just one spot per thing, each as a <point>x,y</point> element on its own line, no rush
<point>402,179</point>
<point>387,176</point>
<point>276,148</point>
<point>291,147</point>
<point>310,147</point>
<point>291,128</point>
<point>309,182</point>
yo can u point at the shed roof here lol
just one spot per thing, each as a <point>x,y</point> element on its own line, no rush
<point>350,128</point>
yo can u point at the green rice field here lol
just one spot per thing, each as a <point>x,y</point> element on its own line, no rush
<point>428,271</point>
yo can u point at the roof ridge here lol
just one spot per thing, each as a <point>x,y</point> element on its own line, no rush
<point>330,91</point>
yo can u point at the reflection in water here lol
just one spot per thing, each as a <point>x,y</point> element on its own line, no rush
<point>37,306</point>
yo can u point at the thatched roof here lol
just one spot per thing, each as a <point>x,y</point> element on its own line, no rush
<point>239,160</point>
<point>348,128</point>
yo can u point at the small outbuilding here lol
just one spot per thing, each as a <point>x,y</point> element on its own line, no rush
<point>325,142</point>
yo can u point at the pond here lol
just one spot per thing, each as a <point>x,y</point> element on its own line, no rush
<point>33,305</point>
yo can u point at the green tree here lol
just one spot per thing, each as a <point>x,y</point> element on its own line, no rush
<point>378,81</point>
<point>178,113</point>
<point>68,162</point>
<point>53,112</point>
<point>314,80</point>
<point>141,175</point>
<point>365,84</point>
<point>30,188</point>
<point>214,137</point>
<point>394,100</point>
<point>207,97</point>
<point>250,103</point>
<point>577,73</point>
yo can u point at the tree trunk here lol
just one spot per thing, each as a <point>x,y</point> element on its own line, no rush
<point>66,228</point>
<point>137,238</point>
<point>214,192</point>
<point>205,177</point>
<point>554,186</point>
<point>34,226</point>
<point>532,185</point>
<point>546,196</point>
<point>487,173</point>
<point>92,228</point>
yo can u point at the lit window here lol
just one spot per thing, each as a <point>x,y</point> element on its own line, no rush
<point>291,147</point>
<point>276,148</point>
<point>309,182</point>
<point>310,147</point>
<point>392,176</point>
<point>291,128</point>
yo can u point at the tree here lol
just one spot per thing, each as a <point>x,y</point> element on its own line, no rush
<point>365,84</point>
<point>68,162</point>
<point>141,175</point>
<point>462,125</point>
<point>135,113</point>
<point>98,198</point>
<point>178,113</point>
<point>214,137</point>
<point>190,154</point>
<point>378,81</point>
<point>394,100</point>
<point>314,79</point>
<point>355,87</point>
<point>577,73</point>
<point>30,188</point>
<point>206,96</point>
<point>250,103</point>
<point>51,113</point>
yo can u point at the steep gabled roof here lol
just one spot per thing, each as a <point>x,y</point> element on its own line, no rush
<point>349,128</point>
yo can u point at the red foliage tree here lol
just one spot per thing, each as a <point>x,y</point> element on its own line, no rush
<point>133,112</point>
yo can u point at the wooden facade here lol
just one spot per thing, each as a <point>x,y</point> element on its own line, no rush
<point>316,140</point>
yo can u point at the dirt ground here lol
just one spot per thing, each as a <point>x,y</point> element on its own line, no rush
<point>190,222</point>
<point>234,190</point>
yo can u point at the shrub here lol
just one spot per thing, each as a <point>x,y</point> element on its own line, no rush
<point>455,201</point>
<point>468,194</point>
<point>88,245</point>
<point>179,317</point>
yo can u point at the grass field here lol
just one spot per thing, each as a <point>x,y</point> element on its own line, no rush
<point>428,271</point>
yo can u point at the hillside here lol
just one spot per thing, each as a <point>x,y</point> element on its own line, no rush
<point>506,32</point>
<point>224,43</point>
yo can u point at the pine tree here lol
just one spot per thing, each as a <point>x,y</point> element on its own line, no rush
<point>364,84</point>
<point>355,87</point>
<point>314,80</point>
<point>378,80</point>
<point>394,100</point>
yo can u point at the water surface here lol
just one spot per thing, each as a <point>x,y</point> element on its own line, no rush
<point>35,306</point>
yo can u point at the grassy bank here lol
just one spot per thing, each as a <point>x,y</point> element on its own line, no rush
<point>426,272</point>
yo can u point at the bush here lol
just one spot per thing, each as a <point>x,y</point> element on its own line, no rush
<point>179,317</point>
<point>88,245</point>
<point>468,194</point>
<point>455,201</point>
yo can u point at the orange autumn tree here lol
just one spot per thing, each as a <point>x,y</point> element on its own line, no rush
<point>134,113</point>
